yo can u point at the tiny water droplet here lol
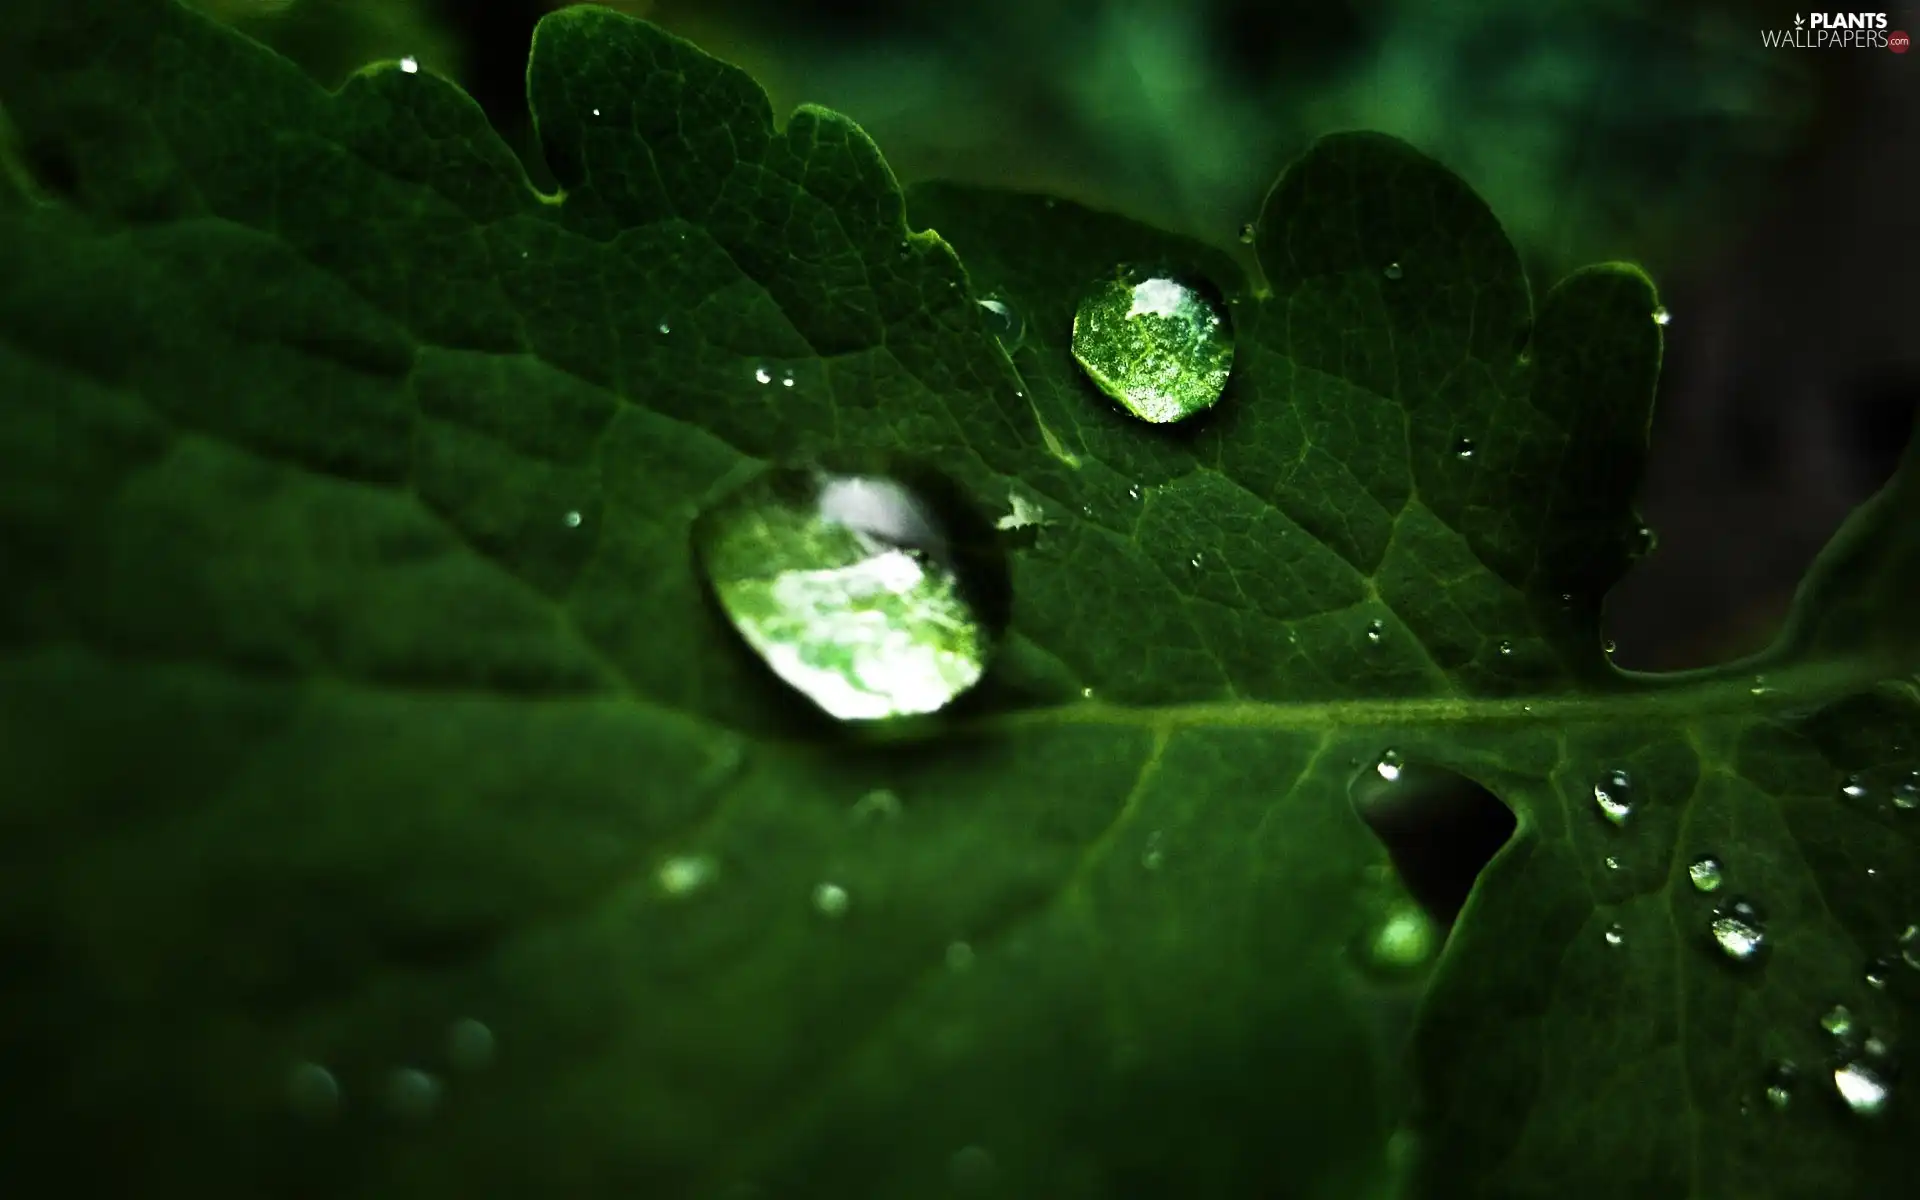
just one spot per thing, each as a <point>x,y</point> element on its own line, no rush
<point>1158,343</point>
<point>1463,448</point>
<point>1854,788</point>
<point>830,899</point>
<point>312,1092</point>
<point>1612,793</point>
<point>1861,1087</point>
<point>1613,864</point>
<point>1375,630</point>
<point>1506,649</point>
<point>1737,930</point>
<point>877,805</point>
<point>410,64</point>
<point>1781,1079</point>
<point>1406,938</point>
<point>686,874</point>
<point>761,375</point>
<point>1388,768</point>
<point>861,591</point>
<point>1247,234</point>
<point>959,957</point>
<point>1006,324</point>
<point>1607,647</point>
<point>1838,1021</point>
<point>1705,872</point>
<point>1906,793</point>
<point>1133,493</point>
<point>1662,317</point>
<point>1909,944</point>
<point>572,519</point>
<point>1086,693</point>
<point>664,327</point>
<point>1615,936</point>
<point>1393,270</point>
<point>469,1045</point>
<point>1153,857</point>
<point>412,1094</point>
<point>787,379</point>
<point>1878,971</point>
<point>596,112</point>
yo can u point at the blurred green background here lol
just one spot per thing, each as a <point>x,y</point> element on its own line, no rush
<point>1768,191</point>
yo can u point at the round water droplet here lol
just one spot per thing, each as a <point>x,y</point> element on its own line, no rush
<point>1463,448</point>
<point>1854,787</point>
<point>664,327</point>
<point>1506,649</point>
<point>830,900</point>
<point>1388,768</point>
<point>1613,794</point>
<point>1737,930</point>
<point>1393,271</point>
<point>1906,792</point>
<point>1375,631</point>
<point>1406,938</point>
<point>1247,234</point>
<point>1153,857</point>
<point>1838,1021</point>
<point>1662,317</point>
<point>469,1045</point>
<point>1706,873</point>
<point>959,957</point>
<point>412,1094</point>
<point>873,596</point>
<point>1003,322</point>
<point>410,64</point>
<point>1159,343</point>
<point>1781,1079</point>
<point>572,519</point>
<point>1615,936</point>
<point>786,380</point>
<point>1909,944</point>
<point>1861,1086</point>
<point>1607,647</point>
<point>686,874</point>
<point>762,375</point>
<point>312,1092</point>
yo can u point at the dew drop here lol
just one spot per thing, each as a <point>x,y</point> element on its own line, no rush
<point>1158,343</point>
<point>1781,1079</point>
<point>572,519</point>
<point>1615,936</point>
<point>1375,630</point>
<point>1662,317</point>
<point>1906,793</point>
<point>1393,271</point>
<point>1463,448</point>
<point>410,65</point>
<point>312,1092</point>
<point>469,1045</point>
<point>830,900</point>
<point>1909,944</point>
<point>1854,788</point>
<point>664,327</point>
<point>1388,768</point>
<point>1613,864</point>
<point>1197,561</point>
<point>1003,322</point>
<point>1861,1087</point>
<point>1705,873</point>
<point>1838,1021</point>
<point>1737,930</point>
<point>1878,971</point>
<point>1506,649</point>
<point>686,874</point>
<point>762,375</point>
<point>1247,234</point>
<point>1153,857</point>
<point>1406,938</point>
<point>1612,793</point>
<point>412,1094</point>
<point>1607,647</point>
<point>870,595</point>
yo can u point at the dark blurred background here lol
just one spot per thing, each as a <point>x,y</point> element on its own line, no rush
<point>1770,192</point>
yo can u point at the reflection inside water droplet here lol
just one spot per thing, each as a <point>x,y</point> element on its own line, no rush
<point>1837,1021</point>
<point>1506,649</point>
<point>1906,792</point>
<point>572,519</point>
<point>1152,857</point>
<point>1157,342</point>
<point>410,64</point>
<point>959,957</point>
<point>1909,946</point>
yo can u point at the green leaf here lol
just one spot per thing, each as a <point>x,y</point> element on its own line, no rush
<point>357,684</point>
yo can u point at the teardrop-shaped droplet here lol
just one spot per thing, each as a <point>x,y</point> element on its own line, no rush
<point>1705,873</point>
<point>873,595</point>
<point>1004,322</point>
<point>1158,342</point>
<point>1613,794</point>
<point>1406,937</point>
<point>1861,1086</point>
<point>1737,930</point>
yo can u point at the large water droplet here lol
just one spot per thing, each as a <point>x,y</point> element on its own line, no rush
<point>1737,930</point>
<point>1706,873</point>
<point>857,589</point>
<point>1613,793</point>
<point>1159,343</point>
<point>1861,1086</point>
<point>1004,322</point>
